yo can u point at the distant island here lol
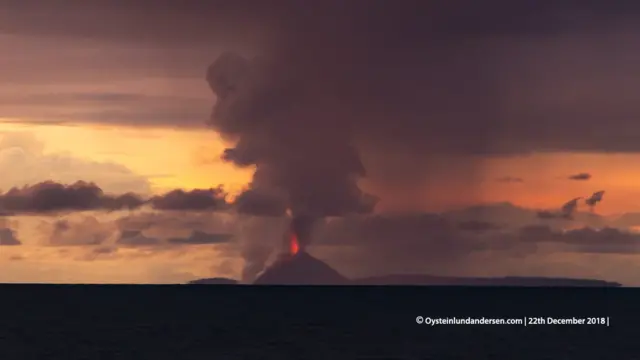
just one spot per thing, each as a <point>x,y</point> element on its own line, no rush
<point>431,280</point>
<point>304,269</point>
<point>214,281</point>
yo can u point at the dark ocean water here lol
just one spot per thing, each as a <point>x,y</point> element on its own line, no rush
<point>248,322</point>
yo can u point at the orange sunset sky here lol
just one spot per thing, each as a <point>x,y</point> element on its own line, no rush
<point>448,108</point>
<point>187,158</point>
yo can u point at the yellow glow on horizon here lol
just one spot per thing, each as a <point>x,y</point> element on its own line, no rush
<point>189,158</point>
<point>169,158</point>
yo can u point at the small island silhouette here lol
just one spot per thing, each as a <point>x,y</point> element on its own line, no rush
<point>304,269</point>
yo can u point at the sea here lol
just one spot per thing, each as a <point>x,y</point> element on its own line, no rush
<point>184,322</point>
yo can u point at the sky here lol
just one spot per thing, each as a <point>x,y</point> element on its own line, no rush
<point>378,116</point>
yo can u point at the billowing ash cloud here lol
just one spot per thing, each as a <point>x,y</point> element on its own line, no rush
<point>259,202</point>
<point>197,199</point>
<point>580,177</point>
<point>50,196</point>
<point>298,149</point>
<point>405,85</point>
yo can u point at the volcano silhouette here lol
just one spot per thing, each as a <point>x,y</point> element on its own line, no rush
<point>300,269</point>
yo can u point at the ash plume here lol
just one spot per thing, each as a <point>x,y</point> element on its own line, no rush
<point>258,237</point>
<point>312,162</point>
<point>302,226</point>
<point>421,89</point>
<point>417,91</point>
<point>260,203</point>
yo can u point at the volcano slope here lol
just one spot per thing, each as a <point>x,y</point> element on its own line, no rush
<point>300,269</point>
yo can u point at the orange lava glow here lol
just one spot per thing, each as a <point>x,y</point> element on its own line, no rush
<point>294,246</point>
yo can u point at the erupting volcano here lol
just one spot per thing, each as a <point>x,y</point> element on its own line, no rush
<point>294,245</point>
<point>296,266</point>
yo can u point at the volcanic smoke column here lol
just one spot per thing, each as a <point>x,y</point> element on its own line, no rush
<point>300,152</point>
<point>299,234</point>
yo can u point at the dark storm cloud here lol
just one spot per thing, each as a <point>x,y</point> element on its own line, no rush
<point>50,196</point>
<point>580,177</point>
<point>197,21</point>
<point>499,69</point>
<point>517,61</point>
<point>506,72</point>
<point>191,23</point>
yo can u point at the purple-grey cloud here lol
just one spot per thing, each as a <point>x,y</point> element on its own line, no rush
<point>50,196</point>
<point>197,199</point>
<point>8,238</point>
<point>580,177</point>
